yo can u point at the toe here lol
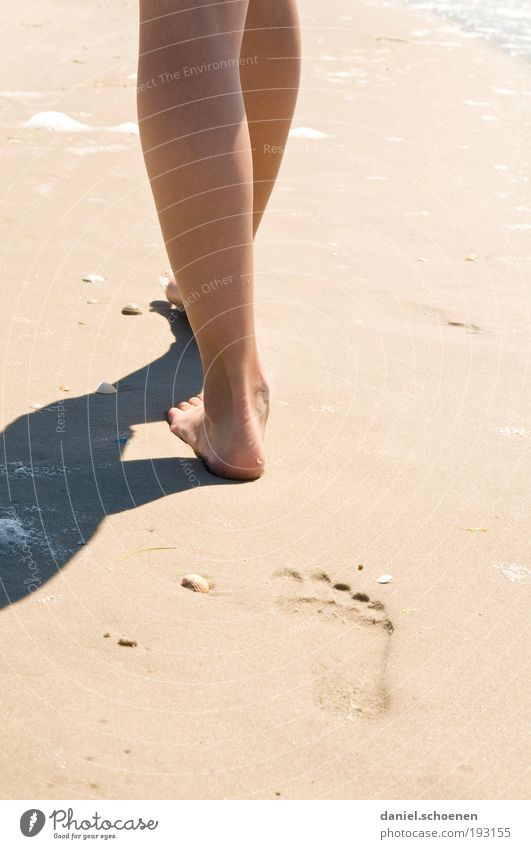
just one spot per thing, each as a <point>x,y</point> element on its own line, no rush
<point>171,415</point>
<point>184,405</point>
<point>195,401</point>
<point>166,277</point>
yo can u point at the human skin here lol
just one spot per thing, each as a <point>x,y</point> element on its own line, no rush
<point>217,86</point>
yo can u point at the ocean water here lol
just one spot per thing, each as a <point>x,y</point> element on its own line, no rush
<point>507,23</point>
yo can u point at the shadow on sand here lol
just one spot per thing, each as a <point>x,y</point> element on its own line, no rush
<point>62,473</point>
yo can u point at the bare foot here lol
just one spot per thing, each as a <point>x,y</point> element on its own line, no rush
<point>169,284</point>
<point>230,441</point>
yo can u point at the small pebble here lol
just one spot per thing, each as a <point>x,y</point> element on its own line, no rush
<point>93,278</point>
<point>92,301</point>
<point>385,579</point>
<point>360,567</point>
<point>106,634</point>
<point>106,389</point>
<point>471,257</point>
<point>64,388</point>
<point>131,309</point>
<point>37,406</point>
<point>124,642</point>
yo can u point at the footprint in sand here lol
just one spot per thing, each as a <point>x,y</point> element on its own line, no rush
<point>347,636</point>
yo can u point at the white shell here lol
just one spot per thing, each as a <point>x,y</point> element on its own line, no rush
<point>106,389</point>
<point>131,309</point>
<point>196,583</point>
<point>93,278</point>
<point>471,257</point>
<point>385,579</point>
<point>92,301</point>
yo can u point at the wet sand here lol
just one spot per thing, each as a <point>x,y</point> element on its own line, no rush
<point>394,318</point>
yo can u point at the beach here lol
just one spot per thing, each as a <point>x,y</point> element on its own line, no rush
<point>366,634</point>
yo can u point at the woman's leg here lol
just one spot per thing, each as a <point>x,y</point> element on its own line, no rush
<point>270,74</point>
<point>195,139</point>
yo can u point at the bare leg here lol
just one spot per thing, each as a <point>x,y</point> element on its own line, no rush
<point>195,139</point>
<point>270,75</point>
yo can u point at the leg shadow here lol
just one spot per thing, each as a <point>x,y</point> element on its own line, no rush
<point>62,471</point>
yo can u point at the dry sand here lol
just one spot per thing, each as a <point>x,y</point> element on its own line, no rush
<point>401,425</point>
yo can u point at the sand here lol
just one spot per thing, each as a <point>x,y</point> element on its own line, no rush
<point>399,439</point>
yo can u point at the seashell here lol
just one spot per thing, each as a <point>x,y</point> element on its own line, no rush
<point>37,406</point>
<point>130,643</point>
<point>421,259</point>
<point>93,278</point>
<point>64,388</point>
<point>385,579</point>
<point>196,583</point>
<point>131,309</point>
<point>92,301</point>
<point>106,389</point>
<point>471,257</point>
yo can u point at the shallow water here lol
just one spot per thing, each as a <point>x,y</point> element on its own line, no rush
<point>507,23</point>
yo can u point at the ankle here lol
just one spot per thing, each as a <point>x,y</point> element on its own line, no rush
<point>246,392</point>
